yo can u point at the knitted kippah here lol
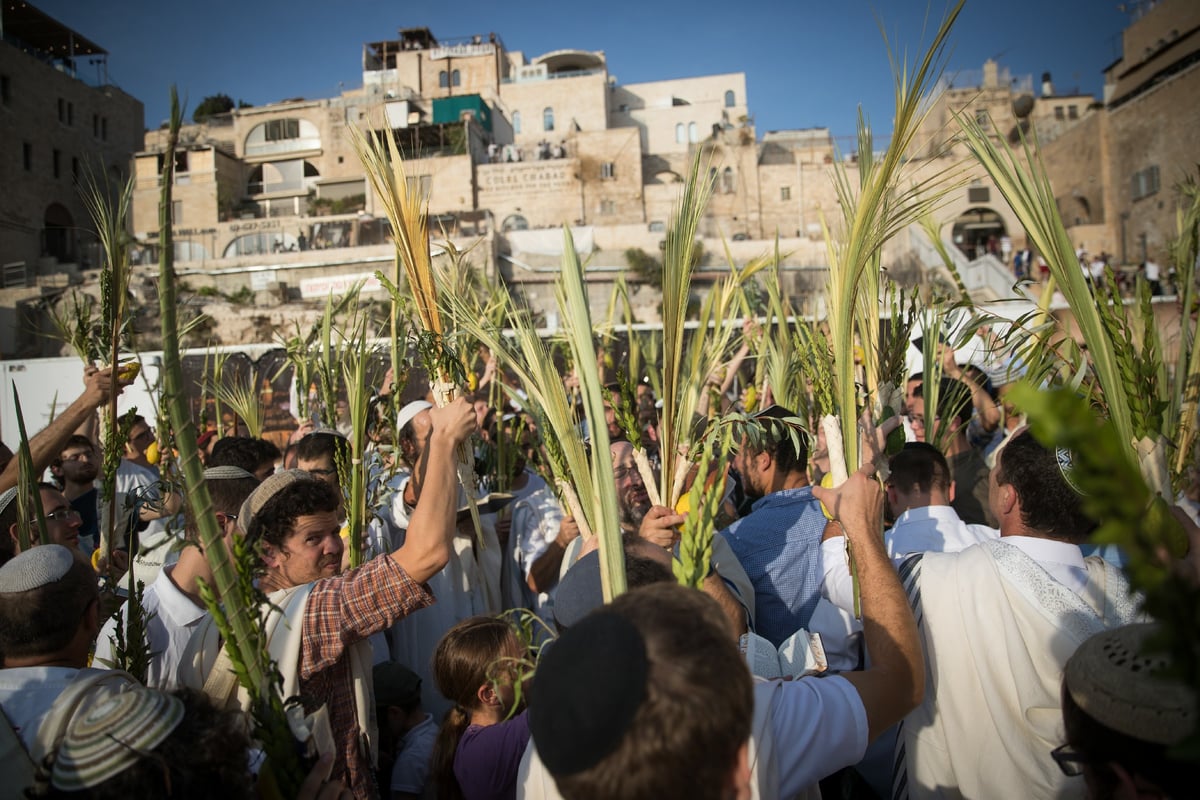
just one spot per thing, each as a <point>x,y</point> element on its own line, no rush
<point>113,735</point>
<point>587,689</point>
<point>266,490</point>
<point>7,498</point>
<point>1122,689</point>
<point>226,473</point>
<point>1066,467</point>
<point>35,567</point>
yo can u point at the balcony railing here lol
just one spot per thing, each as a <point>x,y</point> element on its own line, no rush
<point>283,146</point>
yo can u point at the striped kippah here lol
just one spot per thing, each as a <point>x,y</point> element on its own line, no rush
<point>226,473</point>
<point>266,490</point>
<point>6,498</point>
<point>111,736</point>
<point>35,568</point>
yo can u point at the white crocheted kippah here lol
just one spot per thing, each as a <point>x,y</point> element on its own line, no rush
<point>35,567</point>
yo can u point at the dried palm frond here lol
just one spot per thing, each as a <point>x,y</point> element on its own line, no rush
<point>872,214</point>
<point>405,208</point>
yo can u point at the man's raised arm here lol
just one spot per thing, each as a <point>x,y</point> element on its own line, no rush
<point>47,444</point>
<point>895,682</point>
<point>426,547</point>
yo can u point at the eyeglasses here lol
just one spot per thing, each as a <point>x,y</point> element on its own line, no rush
<point>63,514</point>
<point>1069,760</point>
<point>620,474</point>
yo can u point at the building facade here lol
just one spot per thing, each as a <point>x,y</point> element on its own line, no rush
<point>61,121</point>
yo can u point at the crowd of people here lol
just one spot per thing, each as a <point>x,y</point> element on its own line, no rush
<point>938,625</point>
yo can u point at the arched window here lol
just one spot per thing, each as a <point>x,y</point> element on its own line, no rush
<point>455,78</point>
<point>443,80</point>
<point>693,132</point>
<point>548,119</point>
<point>516,122</point>
<point>727,180</point>
<point>515,222</point>
<point>729,99</point>
<point>680,133</point>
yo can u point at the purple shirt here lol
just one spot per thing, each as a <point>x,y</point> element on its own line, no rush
<point>488,756</point>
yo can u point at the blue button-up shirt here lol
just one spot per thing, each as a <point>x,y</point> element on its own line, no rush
<point>779,546</point>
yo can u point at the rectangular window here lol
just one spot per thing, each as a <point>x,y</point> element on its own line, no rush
<point>75,168</point>
<point>5,90</point>
<point>420,183</point>
<point>62,110</point>
<point>785,193</point>
<point>978,194</point>
<point>57,160</point>
<point>1058,112</point>
<point>70,113</point>
<point>1073,112</point>
<point>278,130</point>
<point>181,161</point>
<point>95,126</point>
<point>1145,182</point>
<point>104,129</point>
<point>27,155</point>
<point>608,207</point>
<point>981,117</point>
<point>176,212</point>
<point>608,170</point>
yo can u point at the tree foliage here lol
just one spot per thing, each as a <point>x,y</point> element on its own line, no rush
<point>213,104</point>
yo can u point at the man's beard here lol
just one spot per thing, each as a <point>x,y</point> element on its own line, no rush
<point>633,511</point>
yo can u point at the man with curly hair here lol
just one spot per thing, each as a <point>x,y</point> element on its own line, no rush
<point>325,659</point>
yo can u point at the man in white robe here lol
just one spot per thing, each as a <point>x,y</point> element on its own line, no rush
<point>998,622</point>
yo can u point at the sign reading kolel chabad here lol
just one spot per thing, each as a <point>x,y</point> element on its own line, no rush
<point>532,178</point>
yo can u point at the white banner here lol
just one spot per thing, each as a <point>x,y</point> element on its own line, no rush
<point>338,284</point>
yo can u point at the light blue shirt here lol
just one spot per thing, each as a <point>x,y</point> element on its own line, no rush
<point>779,546</point>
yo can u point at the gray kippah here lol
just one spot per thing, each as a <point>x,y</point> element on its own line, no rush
<point>266,490</point>
<point>34,568</point>
<point>7,498</point>
<point>1111,679</point>
<point>226,473</point>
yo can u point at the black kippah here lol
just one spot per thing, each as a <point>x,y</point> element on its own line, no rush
<point>587,689</point>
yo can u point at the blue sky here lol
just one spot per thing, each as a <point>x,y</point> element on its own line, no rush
<point>806,64</point>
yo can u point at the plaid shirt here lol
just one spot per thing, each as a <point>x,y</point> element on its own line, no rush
<point>341,611</point>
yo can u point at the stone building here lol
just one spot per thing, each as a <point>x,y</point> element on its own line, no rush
<point>500,143</point>
<point>1114,174</point>
<point>60,120</point>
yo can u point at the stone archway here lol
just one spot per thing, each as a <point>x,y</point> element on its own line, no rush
<point>58,233</point>
<point>978,231</point>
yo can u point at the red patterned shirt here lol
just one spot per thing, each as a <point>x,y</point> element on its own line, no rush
<point>341,611</point>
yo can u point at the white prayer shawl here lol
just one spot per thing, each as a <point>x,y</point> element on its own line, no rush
<point>459,589</point>
<point>206,665</point>
<point>997,632</point>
